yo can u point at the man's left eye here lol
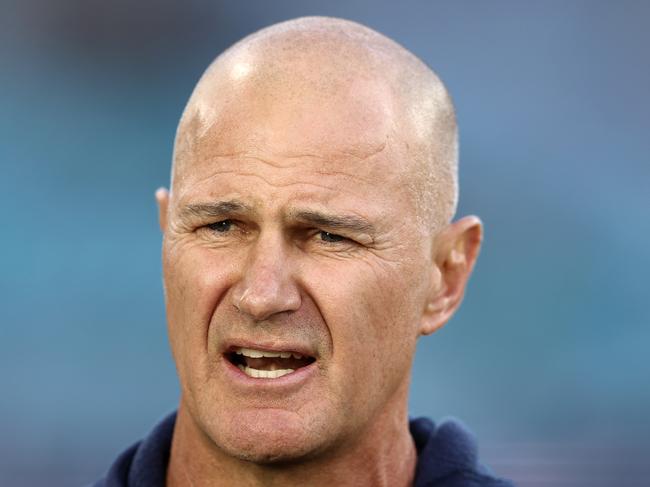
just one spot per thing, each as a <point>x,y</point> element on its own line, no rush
<point>331,237</point>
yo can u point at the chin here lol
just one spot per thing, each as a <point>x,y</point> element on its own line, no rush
<point>270,437</point>
<point>261,455</point>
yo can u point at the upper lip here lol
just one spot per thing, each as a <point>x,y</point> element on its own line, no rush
<point>231,345</point>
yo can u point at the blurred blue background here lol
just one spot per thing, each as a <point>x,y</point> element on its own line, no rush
<point>547,361</point>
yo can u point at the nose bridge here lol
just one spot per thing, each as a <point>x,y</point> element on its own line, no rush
<point>267,284</point>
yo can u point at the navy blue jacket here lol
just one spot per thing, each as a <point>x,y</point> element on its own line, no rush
<point>447,457</point>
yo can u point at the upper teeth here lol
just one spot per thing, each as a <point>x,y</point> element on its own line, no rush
<point>249,352</point>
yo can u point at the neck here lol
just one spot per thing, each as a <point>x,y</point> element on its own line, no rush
<point>383,455</point>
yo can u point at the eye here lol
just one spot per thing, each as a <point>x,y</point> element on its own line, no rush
<point>221,226</point>
<point>331,237</point>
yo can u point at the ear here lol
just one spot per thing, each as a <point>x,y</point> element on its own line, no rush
<point>455,251</point>
<point>162,198</point>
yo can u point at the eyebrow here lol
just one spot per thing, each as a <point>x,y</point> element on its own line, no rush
<point>215,209</point>
<point>334,222</point>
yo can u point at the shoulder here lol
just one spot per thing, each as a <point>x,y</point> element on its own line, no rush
<point>448,456</point>
<point>118,473</point>
<point>145,463</point>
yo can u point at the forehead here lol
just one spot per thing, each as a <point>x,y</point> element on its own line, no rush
<point>285,134</point>
<point>285,114</point>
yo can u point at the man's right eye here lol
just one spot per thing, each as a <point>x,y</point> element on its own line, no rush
<point>221,226</point>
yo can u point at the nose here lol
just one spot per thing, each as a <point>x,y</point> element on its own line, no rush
<point>267,285</point>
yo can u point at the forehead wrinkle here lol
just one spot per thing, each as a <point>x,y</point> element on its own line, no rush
<point>280,179</point>
<point>339,155</point>
<point>357,152</point>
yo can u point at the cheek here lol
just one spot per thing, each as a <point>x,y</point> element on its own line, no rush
<point>195,282</point>
<point>370,313</point>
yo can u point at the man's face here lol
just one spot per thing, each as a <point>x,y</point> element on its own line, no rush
<point>292,230</point>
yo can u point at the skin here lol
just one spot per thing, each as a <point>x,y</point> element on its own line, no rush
<point>310,206</point>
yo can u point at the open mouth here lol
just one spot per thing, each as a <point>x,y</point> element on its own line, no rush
<point>263,364</point>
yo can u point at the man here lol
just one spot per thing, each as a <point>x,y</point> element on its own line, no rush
<point>307,244</point>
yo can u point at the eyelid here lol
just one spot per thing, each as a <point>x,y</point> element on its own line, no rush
<point>357,238</point>
<point>212,227</point>
<point>363,239</point>
<point>345,244</point>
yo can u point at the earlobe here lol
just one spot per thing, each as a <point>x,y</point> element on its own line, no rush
<point>456,250</point>
<point>435,315</point>
<point>162,198</point>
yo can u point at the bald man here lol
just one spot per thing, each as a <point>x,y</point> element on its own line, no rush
<point>308,243</point>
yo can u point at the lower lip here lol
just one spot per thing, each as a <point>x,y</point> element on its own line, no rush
<point>295,379</point>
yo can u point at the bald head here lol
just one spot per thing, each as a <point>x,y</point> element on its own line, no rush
<point>295,72</point>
